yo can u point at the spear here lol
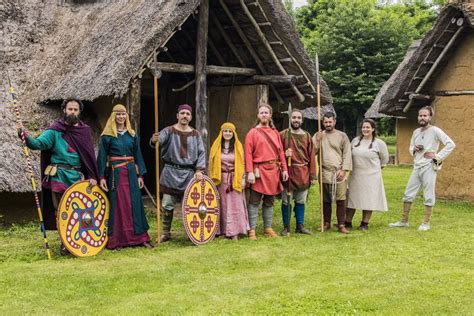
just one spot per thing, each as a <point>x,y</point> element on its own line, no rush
<point>320,153</point>
<point>156,76</point>
<point>288,201</point>
<point>26,152</point>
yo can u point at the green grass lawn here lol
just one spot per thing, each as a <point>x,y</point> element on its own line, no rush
<point>382,271</point>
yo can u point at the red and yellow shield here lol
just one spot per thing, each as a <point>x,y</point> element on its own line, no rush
<point>201,208</point>
<point>83,215</point>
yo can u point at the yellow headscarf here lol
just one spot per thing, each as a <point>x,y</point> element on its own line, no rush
<point>215,159</point>
<point>111,126</point>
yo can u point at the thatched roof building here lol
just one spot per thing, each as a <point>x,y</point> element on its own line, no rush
<point>103,51</point>
<point>438,71</point>
<point>411,82</point>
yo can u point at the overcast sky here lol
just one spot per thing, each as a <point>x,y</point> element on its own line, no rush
<point>299,3</point>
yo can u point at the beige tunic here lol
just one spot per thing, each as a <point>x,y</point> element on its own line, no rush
<point>336,154</point>
<point>366,190</point>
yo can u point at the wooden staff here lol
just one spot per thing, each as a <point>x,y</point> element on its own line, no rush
<point>156,75</point>
<point>320,153</point>
<point>26,152</point>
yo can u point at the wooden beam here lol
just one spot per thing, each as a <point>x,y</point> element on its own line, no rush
<point>453,93</point>
<point>418,96</point>
<point>434,66</point>
<point>213,47</point>
<point>135,96</point>
<point>210,69</point>
<point>251,50</point>
<point>269,48</point>
<point>201,72</point>
<point>227,39</point>
<point>288,79</point>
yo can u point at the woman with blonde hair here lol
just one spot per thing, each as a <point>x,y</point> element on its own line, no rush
<point>121,170</point>
<point>227,171</point>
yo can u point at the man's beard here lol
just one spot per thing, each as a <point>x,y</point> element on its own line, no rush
<point>295,126</point>
<point>423,123</point>
<point>71,119</point>
<point>329,128</point>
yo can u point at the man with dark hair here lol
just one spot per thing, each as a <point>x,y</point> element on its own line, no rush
<point>184,156</point>
<point>302,171</point>
<point>265,165</point>
<point>337,162</point>
<point>67,156</point>
<point>424,146</point>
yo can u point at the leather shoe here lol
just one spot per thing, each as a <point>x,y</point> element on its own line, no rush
<point>343,230</point>
<point>300,229</point>
<point>165,237</point>
<point>148,245</point>
<point>326,227</point>
<point>285,232</point>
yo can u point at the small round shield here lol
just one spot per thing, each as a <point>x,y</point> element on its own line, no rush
<point>201,209</point>
<point>83,215</point>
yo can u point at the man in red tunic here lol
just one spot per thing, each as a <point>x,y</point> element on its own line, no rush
<point>265,165</point>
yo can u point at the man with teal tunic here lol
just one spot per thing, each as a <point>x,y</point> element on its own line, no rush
<point>67,156</point>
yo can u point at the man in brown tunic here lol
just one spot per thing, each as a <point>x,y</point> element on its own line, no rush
<point>337,162</point>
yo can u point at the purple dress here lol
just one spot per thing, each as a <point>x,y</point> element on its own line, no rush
<point>234,217</point>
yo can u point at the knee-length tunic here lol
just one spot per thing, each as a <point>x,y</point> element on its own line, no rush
<point>127,221</point>
<point>366,189</point>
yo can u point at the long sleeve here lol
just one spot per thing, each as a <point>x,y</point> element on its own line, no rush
<point>45,141</point>
<point>248,149</point>
<point>281,152</point>
<point>411,148</point>
<point>201,162</point>
<point>312,160</point>
<point>102,156</point>
<point>137,154</point>
<point>448,145</point>
<point>346,154</point>
<point>383,152</point>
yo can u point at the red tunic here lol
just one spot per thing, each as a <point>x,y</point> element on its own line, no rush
<point>263,150</point>
<point>303,167</point>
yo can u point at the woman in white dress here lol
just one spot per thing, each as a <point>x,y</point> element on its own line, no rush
<point>366,190</point>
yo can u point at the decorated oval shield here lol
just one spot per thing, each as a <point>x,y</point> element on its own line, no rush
<point>201,209</point>
<point>83,215</point>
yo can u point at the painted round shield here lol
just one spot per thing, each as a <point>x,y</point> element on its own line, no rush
<point>83,215</point>
<point>201,209</point>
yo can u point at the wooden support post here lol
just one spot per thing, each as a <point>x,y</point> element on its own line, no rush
<point>262,94</point>
<point>201,83</point>
<point>135,95</point>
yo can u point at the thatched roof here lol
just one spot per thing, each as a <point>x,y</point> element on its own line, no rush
<point>89,49</point>
<point>393,96</point>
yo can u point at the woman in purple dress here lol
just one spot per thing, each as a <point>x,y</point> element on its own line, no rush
<point>227,171</point>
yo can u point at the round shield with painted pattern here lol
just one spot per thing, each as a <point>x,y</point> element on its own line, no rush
<point>201,209</point>
<point>83,215</point>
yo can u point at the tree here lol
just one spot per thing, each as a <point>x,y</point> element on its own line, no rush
<point>359,43</point>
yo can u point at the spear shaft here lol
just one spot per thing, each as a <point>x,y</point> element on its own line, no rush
<point>320,152</point>
<point>26,153</point>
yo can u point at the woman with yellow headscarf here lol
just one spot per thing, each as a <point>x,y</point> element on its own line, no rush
<point>121,170</point>
<point>226,167</point>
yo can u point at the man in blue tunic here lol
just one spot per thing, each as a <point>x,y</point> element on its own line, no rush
<point>184,157</point>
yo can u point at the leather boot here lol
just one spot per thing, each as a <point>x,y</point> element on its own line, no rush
<point>286,231</point>
<point>300,229</point>
<point>167,220</point>
<point>269,232</point>
<point>252,235</point>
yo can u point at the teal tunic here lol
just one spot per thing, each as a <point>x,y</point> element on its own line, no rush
<point>123,145</point>
<point>61,153</point>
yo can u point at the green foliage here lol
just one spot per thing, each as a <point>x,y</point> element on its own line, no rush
<point>288,4</point>
<point>360,43</point>
<point>384,271</point>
